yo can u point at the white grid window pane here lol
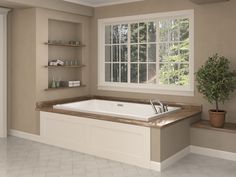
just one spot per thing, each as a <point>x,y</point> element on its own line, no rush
<point>148,52</point>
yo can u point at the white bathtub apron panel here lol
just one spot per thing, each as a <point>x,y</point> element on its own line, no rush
<point>111,140</point>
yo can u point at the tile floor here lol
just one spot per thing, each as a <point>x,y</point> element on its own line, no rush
<point>23,158</point>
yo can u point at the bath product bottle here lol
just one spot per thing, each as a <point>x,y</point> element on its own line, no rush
<point>57,84</point>
<point>53,83</point>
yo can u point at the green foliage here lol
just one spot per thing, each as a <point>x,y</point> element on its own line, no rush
<point>174,68</point>
<point>215,79</point>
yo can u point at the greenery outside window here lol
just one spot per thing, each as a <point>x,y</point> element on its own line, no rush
<point>147,53</point>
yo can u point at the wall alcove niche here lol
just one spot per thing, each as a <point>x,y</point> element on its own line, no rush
<point>61,38</point>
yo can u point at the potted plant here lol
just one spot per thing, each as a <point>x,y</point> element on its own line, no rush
<point>216,81</point>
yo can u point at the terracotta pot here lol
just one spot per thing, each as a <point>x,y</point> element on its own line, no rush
<point>217,119</point>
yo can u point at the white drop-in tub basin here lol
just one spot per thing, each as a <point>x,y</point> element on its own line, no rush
<point>126,110</point>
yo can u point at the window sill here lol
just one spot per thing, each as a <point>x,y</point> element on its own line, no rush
<point>147,89</point>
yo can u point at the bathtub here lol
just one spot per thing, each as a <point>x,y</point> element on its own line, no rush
<point>134,111</point>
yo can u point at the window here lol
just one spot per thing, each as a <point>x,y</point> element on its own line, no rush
<point>148,53</point>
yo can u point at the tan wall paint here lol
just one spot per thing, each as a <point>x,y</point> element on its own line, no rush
<point>43,15</point>
<point>214,32</point>
<point>174,139</point>
<point>23,71</point>
<point>28,77</point>
<point>167,141</point>
<point>156,144</point>
<point>50,4</point>
<point>213,139</point>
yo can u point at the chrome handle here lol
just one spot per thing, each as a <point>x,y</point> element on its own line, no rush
<point>160,110</point>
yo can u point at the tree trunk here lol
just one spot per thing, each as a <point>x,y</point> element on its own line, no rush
<point>217,106</point>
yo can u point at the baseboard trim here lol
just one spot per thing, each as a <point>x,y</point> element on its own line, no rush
<point>174,158</point>
<point>159,166</point>
<point>213,153</point>
<point>24,135</point>
<point>156,166</point>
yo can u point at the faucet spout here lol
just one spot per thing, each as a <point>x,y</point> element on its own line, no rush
<point>153,106</point>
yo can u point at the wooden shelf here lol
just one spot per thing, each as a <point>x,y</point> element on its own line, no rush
<point>63,45</point>
<point>63,88</point>
<point>73,66</point>
<point>228,127</point>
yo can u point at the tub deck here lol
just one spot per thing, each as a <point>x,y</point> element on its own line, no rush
<point>186,111</point>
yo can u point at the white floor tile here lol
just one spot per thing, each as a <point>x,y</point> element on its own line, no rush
<point>23,158</point>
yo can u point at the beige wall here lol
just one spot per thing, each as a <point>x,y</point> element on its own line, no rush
<point>214,32</point>
<point>49,4</point>
<point>28,56</point>
<point>23,71</point>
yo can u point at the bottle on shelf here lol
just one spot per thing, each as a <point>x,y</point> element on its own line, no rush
<point>53,85</point>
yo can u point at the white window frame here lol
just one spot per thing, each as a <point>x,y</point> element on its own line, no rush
<point>145,88</point>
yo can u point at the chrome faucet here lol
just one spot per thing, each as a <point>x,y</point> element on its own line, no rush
<point>153,106</point>
<point>162,108</point>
